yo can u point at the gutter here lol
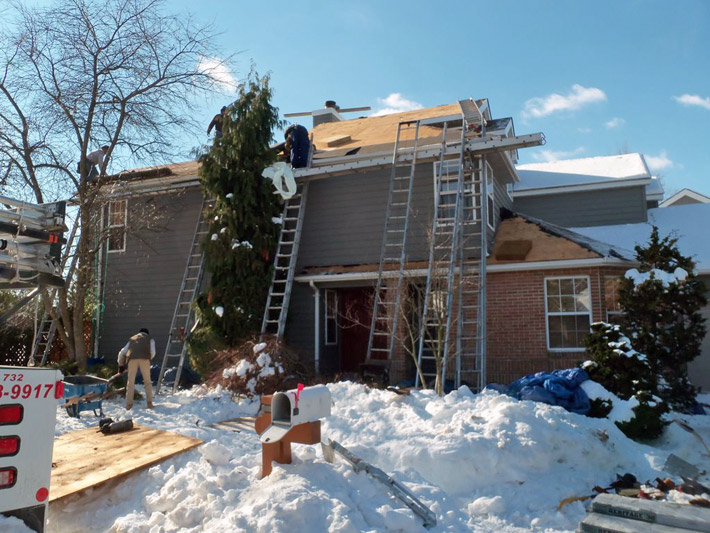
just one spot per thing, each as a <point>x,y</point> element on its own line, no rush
<point>506,267</point>
<point>316,295</point>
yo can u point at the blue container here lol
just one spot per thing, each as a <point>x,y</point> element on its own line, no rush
<point>78,386</point>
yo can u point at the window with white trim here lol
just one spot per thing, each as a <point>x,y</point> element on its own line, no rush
<point>449,188</point>
<point>568,312</point>
<point>116,225</point>
<point>331,317</point>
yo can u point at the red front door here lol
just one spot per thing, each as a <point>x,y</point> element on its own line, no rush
<point>355,315</point>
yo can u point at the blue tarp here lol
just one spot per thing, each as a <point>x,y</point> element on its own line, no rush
<point>559,387</point>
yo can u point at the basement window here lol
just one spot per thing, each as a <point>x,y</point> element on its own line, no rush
<point>331,317</point>
<point>568,312</point>
<point>117,216</point>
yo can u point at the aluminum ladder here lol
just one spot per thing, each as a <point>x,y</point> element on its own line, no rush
<point>277,301</point>
<point>471,319</point>
<point>176,345</point>
<point>434,321</point>
<point>47,326</point>
<point>387,297</point>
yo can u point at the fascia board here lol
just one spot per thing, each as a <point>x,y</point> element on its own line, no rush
<point>596,186</point>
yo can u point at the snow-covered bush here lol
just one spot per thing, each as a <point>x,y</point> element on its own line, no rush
<point>257,368</point>
<point>626,373</point>
<point>661,301</point>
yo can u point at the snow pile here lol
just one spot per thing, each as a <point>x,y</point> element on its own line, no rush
<point>656,274</point>
<point>483,462</point>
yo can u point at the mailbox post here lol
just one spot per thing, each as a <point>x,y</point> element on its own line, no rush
<point>292,416</point>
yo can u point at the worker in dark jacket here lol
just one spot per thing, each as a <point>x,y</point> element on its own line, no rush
<point>298,146</point>
<point>138,352</point>
<point>217,123</point>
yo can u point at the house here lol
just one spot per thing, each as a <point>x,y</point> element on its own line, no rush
<point>685,197</point>
<point>384,215</point>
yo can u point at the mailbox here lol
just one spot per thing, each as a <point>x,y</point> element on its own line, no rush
<point>294,407</point>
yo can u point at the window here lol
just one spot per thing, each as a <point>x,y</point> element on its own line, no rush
<point>490,198</point>
<point>331,317</point>
<point>117,215</point>
<point>449,187</point>
<point>611,298</point>
<point>568,310</point>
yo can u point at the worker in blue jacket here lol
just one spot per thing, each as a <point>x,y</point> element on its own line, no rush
<point>298,146</point>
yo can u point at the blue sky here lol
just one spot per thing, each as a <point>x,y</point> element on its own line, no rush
<point>596,77</point>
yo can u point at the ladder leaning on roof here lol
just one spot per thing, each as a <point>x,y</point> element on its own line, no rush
<point>176,346</point>
<point>454,295</point>
<point>47,326</point>
<point>387,297</point>
<point>277,302</point>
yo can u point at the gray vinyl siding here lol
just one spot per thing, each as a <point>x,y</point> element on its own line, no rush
<point>587,208</point>
<point>345,216</point>
<point>699,369</point>
<point>143,282</point>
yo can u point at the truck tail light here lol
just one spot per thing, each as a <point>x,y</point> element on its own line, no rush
<point>11,414</point>
<point>59,389</point>
<point>9,445</point>
<point>8,477</point>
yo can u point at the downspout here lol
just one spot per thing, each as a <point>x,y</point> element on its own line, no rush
<point>316,295</point>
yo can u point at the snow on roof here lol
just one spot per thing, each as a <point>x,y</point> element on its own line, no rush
<point>688,222</point>
<point>604,169</point>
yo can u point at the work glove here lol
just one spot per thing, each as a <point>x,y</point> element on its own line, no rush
<point>121,368</point>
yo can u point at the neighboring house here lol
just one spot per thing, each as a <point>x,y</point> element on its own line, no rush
<point>542,285</point>
<point>593,191</point>
<point>685,197</point>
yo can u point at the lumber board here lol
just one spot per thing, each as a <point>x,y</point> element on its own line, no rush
<point>237,425</point>
<point>599,523</point>
<point>86,458</point>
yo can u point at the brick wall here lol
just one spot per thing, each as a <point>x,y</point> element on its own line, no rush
<point>516,323</point>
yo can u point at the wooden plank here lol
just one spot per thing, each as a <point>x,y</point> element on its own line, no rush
<point>237,425</point>
<point>86,458</point>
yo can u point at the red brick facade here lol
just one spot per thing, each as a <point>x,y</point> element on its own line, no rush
<point>516,321</point>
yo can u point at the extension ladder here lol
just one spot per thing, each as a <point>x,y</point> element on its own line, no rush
<point>176,345</point>
<point>274,321</point>
<point>387,296</point>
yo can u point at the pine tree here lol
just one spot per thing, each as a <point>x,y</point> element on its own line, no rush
<point>661,303</point>
<point>242,235</point>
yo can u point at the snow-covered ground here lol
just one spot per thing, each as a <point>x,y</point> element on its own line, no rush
<point>482,462</point>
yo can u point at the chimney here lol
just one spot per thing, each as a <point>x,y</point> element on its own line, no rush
<point>329,113</point>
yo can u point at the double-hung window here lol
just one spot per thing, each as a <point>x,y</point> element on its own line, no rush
<point>449,190</point>
<point>116,225</point>
<point>568,311</point>
<point>611,298</point>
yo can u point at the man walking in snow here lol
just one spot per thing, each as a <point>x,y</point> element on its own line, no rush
<point>138,352</point>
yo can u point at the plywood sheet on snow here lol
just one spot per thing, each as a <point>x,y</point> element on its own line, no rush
<point>84,459</point>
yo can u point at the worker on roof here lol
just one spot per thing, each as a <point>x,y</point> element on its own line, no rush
<point>138,352</point>
<point>217,123</point>
<point>298,146</point>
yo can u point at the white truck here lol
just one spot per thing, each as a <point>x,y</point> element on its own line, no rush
<point>28,411</point>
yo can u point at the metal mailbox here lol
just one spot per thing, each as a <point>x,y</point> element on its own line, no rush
<point>294,407</point>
